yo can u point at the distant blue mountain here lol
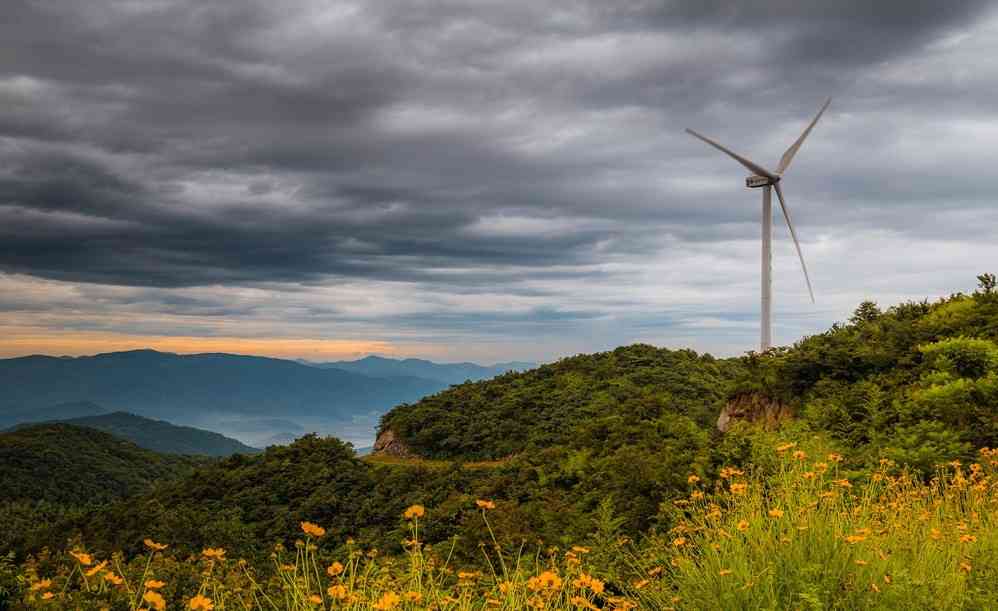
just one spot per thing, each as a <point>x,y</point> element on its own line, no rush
<point>207,390</point>
<point>449,373</point>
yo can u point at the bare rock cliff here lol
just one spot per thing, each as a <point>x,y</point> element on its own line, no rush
<point>756,408</point>
<point>389,444</point>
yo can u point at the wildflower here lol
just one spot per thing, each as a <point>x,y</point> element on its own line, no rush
<point>213,553</point>
<point>412,597</point>
<point>743,525</point>
<point>112,578</point>
<point>47,596</point>
<point>724,572</point>
<point>834,457</point>
<point>97,568</point>
<point>776,513</point>
<point>579,601</point>
<point>338,592</point>
<point>639,584</point>
<point>821,466</point>
<point>808,474</point>
<point>313,530</point>
<point>334,569</point>
<point>588,581</point>
<point>696,495</point>
<point>200,602</point>
<point>967,538</point>
<point>729,472</point>
<point>154,584</point>
<point>155,600</point>
<point>738,488</point>
<point>842,482</point>
<point>414,511</point>
<point>854,539</point>
<point>484,504</point>
<point>800,455</point>
<point>82,557</point>
<point>786,446</point>
<point>41,585</point>
<point>315,599</point>
<point>655,572</point>
<point>505,587</point>
<point>156,547</point>
<point>578,549</point>
<point>679,541</point>
<point>388,600</point>
<point>692,479</point>
<point>874,587</point>
<point>965,567</point>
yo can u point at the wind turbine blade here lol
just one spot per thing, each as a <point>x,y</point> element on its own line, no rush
<point>748,163</point>
<point>789,155</point>
<point>793,234</point>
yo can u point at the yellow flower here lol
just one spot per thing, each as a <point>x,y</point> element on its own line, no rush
<point>41,585</point>
<point>743,525</point>
<point>580,602</point>
<point>821,466</point>
<point>588,581</point>
<point>112,578</point>
<point>800,455</point>
<point>967,538</point>
<point>334,569</point>
<point>808,474</point>
<point>854,539</point>
<point>388,600</point>
<point>47,596</point>
<point>692,479</point>
<point>413,512</point>
<point>738,488</point>
<point>580,550</point>
<point>467,575</point>
<point>679,541</point>
<point>485,504</point>
<point>97,568</point>
<point>842,482</point>
<point>834,457</point>
<point>640,583</point>
<point>82,557</point>
<point>214,553</point>
<point>313,530</point>
<point>776,513</point>
<point>155,600</point>
<point>547,580</point>
<point>696,495</point>
<point>786,446</point>
<point>200,602</point>
<point>155,584</point>
<point>338,592</point>
<point>158,547</point>
<point>315,599</point>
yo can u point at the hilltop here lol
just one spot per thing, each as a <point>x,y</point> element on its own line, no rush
<point>159,435</point>
<point>64,463</point>
<point>448,373</point>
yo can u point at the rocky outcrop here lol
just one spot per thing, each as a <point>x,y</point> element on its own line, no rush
<point>389,444</point>
<point>755,408</point>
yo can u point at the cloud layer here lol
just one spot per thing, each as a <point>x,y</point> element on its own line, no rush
<point>485,180</point>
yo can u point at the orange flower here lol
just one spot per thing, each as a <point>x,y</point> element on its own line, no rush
<point>213,553</point>
<point>800,455</point>
<point>842,482</point>
<point>338,592</point>
<point>97,568</point>
<point>484,504</point>
<point>200,602</point>
<point>155,599</point>
<point>743,525</point>
<point>854,539</point>
<point>313,530</point>
<point>157,547</point>
<point>315,599</point>
<point>738,488</point>
<point>155,584</point>
<point>413,512</point>
<point>47,596</point>
<point>786,446</point>
<point>776,513</point>
<point>112,578</point>
<point>82,557</point>
<point>388,600</point>
<point>679,541</point>
<point>334,569</point>
<point>967,538</point>
<point>834,457</point>
<point>692,479</point>
<point>412,597</point>
<point>41,585</point>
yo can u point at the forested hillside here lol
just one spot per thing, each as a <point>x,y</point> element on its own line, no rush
<point>160,436</point>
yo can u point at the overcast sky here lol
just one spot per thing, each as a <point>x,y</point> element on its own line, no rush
<point>480,180</point>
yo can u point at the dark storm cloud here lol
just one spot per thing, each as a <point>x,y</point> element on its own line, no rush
<point>458,145</point>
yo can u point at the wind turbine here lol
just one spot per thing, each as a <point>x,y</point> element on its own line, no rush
<point>761,177</point>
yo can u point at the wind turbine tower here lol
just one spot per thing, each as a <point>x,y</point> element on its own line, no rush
<point>768,181</point>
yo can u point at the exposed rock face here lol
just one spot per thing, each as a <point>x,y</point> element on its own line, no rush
<point>388,444</point>
<point>753,407</point>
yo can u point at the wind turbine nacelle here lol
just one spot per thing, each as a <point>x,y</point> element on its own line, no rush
<point>754,182</point>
